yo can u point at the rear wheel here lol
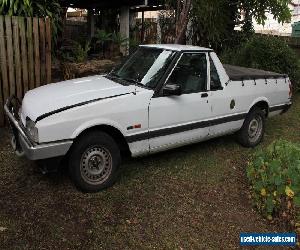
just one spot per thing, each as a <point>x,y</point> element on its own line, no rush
<point>94,162</point>
<point>252,132</point>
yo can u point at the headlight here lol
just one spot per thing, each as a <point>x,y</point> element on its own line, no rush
<point>32,130</point>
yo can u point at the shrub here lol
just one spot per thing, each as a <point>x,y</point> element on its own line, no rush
<point>274,176</point>
<point>102,38</point>
<point>81,52</point>
<point>267,53</point>
<point>73,51</point>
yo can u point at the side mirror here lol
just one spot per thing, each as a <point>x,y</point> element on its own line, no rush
<point>171,89</point>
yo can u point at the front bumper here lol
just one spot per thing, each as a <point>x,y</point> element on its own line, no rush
<point>23,145</point>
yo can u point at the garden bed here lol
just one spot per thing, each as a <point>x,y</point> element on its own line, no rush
<point>68,70</point>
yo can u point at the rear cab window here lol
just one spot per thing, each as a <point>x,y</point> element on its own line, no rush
<point>215,82</point>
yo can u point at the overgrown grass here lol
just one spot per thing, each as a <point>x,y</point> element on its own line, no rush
<point>192,197</point>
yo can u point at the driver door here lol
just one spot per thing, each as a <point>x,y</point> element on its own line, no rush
<point>176,120</point>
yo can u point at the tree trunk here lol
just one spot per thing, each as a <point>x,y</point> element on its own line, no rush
<point>182,19</point>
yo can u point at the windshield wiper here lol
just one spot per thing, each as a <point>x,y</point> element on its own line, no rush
<point>133,81</point>
<point>115,77</point>
<point>130,80</point>
<point>113,74</point>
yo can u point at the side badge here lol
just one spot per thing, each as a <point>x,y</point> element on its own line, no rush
<point>134,126</point>
<point>232,104</point>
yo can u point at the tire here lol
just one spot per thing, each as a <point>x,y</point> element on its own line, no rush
<point>94,162</point>
<point>252,132</point>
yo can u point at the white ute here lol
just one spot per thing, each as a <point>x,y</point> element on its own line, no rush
<point>162,97</point>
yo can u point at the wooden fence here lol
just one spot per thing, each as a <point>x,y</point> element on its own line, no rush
<point>25,56</point>
<point>75,30</point>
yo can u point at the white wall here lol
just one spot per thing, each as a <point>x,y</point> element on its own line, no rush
<point>273,27</point>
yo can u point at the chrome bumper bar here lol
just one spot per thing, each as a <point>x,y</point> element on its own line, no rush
<point>23,145</point>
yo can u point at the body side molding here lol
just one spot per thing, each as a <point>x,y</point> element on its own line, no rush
<point>41,117</point>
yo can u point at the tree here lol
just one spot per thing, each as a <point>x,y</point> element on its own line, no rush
<point>34,8</point>
<point>182,19</point>
<point>214,21</point>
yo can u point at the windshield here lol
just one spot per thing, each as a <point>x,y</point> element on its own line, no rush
<point>146,66</point>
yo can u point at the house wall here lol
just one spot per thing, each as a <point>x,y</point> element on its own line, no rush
<point>273,27</point>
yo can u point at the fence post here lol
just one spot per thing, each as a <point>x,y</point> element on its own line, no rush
<point>16,37</point>
<point>1,104</point>
<point>48,50</point>
<point>10,56</point>
<point>3,61</point>
<point>42,50</point>
<point>24,54</point>
<point>37,67</point>
<point>30,53</point>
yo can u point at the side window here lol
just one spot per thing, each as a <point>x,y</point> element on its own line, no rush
<point>190,73</point>
<point>215,82</point>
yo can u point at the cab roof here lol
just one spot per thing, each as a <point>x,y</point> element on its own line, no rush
<point>176,47</point>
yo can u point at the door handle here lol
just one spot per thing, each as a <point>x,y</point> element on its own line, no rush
<point>204,95</point>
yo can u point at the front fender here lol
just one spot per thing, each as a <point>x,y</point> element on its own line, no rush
<point>97,122</point>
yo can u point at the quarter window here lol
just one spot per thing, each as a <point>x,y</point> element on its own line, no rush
<point>190,73</point>
<point>215,83</point>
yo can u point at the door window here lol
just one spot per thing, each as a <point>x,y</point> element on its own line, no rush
<point>190,73</point>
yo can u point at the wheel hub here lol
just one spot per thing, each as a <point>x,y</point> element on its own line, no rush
<point>255,128</point>
<point>96,165</point>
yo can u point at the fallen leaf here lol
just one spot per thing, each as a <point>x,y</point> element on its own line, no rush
<point>2,229</point>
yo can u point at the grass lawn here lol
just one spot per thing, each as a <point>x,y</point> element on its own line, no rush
<point>189,198</point>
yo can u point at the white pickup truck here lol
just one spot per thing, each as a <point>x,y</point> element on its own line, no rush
<point>162,97</point>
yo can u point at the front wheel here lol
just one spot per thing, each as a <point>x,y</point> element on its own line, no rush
<point>94,162</point>
<point>252,132</point>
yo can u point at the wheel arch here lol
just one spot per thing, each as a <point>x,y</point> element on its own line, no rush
<point>262,104</point>
<point>115,133</point>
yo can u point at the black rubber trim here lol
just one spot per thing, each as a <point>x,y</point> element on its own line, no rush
<point>183,128</point>
<point>283,107</point>
<point>286,108</point>
<point>158,91</point>
<point>159,86</point>
<point>197,51</point>
<point>75,105</point>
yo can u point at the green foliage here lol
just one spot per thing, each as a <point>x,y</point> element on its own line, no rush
<point>102,38</point>
<point>214,21</point>
<point>34,8</point>
<point>274,176</point>
<point>74,52</point>
<point>167,22</point>
<point>81,52</point>
<point>258,9</point>
<point>118,39</point>
<point>267,53</point>
<point>133,45</point>
<point>16,7</point>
